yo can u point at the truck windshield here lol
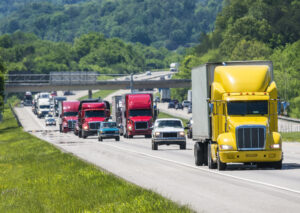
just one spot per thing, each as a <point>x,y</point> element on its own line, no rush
<point>94,113</point>
<point>70,114</point>
<point>44,106</point>
<point>247,107</point>
<point>108,125</point>
<point>140,112</point>
<point>170,123</point>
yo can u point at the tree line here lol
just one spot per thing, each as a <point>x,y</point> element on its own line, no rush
<point>91,52</point>
<point>169,24</point>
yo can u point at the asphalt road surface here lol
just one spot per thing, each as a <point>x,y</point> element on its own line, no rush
<point>171,171</point>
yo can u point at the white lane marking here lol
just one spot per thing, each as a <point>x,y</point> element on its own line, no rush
<point>206,170</point>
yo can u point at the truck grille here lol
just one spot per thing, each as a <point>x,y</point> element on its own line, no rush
<point>169,134</point>
<point>71,124</point>
<point>94,125</point>
<point>109,132</point>
<point>250,137</point>
<point>141,125</point>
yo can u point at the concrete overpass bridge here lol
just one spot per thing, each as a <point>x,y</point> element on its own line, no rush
<point>63,82</point>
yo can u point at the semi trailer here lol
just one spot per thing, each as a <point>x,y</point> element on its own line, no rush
<point>235,115</point>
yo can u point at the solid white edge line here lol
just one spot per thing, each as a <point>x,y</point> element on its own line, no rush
<point>205,170</point>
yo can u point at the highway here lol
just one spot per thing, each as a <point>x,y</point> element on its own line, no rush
<point>172,172</point>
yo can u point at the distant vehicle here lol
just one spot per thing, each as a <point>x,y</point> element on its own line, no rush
<point>68,115</point>
<point>137,114</point>
<point>43,107</point>
<point>116,111</point>
<point>171,105</point>
<point>68,92</point>
<point>174,67</point>
<point>27,99</point>
<point>186,103</point>
<point>108,130</point>
<point>167,131</point>
<point>91,113</point>
<point>56,101</point>
<point>175,101</point>
<point>165,95</point>
<point>156,99</point>
<point>178,106</point>
<point>190,128</point>
<point>48,116</point>
<point>50,121</point>
<point>162,78</point>
<point>54,93</point>
<point>190,109</point>
<point>148,73</point>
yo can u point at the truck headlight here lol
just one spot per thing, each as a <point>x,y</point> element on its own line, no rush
<point>130,128</point>
<point>226,147</point>
<point>85,127</point>
<point>157,134</point>
<point>181,134</point>
<point>275,146</point>
<point>65,124</point>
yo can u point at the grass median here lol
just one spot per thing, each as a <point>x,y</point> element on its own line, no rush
<point>37,177</point>
<point>100,93</point>
<point>290,136</point>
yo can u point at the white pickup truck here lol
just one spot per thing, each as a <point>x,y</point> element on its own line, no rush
<point>168,131</point>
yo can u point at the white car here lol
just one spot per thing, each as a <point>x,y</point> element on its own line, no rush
<point>168,131</point>
<point>148,73</point>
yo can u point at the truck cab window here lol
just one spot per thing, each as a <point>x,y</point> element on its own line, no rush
<point>140,112</point>
<point>247,107</point>
<point>94,113</point>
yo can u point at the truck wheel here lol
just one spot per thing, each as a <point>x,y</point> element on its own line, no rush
<point>130,136</point>
<point>117,138</point>
<point>277,165</point>
<point>198,153</point>
<point>211,164</point>
<point>79,133</point>
<point>83,135</point>
<point>147,136</point>
<point>154,146</point>
<point>183,146</point>
<point>125,135</point>
<point>205,147</point>
<point>99,138</point>
<point>220,165</point>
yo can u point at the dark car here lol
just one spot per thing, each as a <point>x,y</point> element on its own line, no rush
<point>178,106</point>
<point>171,105</point>
<point>175,101</point>
<point>190,109</point>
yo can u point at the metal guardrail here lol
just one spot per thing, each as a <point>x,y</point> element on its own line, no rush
<point>289,119</point>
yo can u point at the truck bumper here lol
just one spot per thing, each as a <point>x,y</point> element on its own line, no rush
<point>250,156</point>
<point>168,141</point>
<point>109,135</point>
<point>140,132</point>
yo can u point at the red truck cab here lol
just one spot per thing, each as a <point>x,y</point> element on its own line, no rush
<point>137,114</point>
<point>91,113</point>
<point>68,115</point>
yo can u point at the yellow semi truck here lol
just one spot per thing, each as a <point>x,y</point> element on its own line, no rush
<point>235,115</point>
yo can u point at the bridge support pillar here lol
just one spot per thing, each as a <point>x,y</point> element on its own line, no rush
<point>90,94</point>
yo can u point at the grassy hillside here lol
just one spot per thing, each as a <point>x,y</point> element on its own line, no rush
<point>167,24</point>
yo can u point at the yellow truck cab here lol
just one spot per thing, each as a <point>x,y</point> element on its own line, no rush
<point>235,115</point>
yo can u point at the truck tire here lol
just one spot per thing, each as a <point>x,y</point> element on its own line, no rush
<point>220,165</point>
<point>60,128</point>
<point>211,164</point>
<point>277,165</point>
<point>117,138</point>
<point>205,147</point>
<point>83,134</point>
<point>79,133</point>
<point>130,136</point>
<point>183,146</point>
<point>154,146</point>
<point>99,138</point>
<point>198,153</point>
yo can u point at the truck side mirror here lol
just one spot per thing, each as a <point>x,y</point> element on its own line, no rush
<point>211,108</point>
